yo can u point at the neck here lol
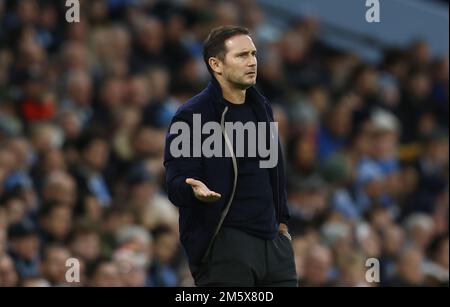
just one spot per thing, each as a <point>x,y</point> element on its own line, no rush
<point>231,93</point>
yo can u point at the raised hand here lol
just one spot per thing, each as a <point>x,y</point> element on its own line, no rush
<point>201,191</point>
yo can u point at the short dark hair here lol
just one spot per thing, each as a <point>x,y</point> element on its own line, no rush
<point>214,44</point>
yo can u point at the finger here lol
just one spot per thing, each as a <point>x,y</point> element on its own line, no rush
<point>202,190</point>
<point>192,182</point>
<point>214,195</point>
<point>203,194</point>
<point>210,198</point>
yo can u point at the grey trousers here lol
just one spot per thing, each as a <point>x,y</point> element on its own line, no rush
<point>238,259</point>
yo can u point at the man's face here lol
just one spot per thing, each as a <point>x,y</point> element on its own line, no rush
<point>59,222</point>
<point>165,247</point>
<point>410,266</point>
<point>107,275</point>
<point>8,275</point>
<point>87,246</point>
<point>54,267</point>
<point>27,247</point>
<point>239,64</point>
<point>317,265</point>
<point>97,154</point>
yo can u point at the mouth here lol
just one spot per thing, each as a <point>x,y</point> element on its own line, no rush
<point>251,73</point>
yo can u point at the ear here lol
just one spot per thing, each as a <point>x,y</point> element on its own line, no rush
<point>215,64</point>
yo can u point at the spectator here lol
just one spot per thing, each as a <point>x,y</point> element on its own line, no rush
<point>34,281</point>
<point>95,192</point>
<point>317,267</point>
<point>308,203</point>
<point>161,272</point>
<point>24,241</point>
<point>393,238</point>
<point>333,134</point>
<point>84,241</point>
<point>53,267</point>
<point>437,268</point>
<point>55,220</point>
<point>14,204</point>
<point>153,209</point>
<point>8,274</point>
<point>409,269</point>
<point>59,186</point>
<point>104,273</point>
<point>352,271</point>
<point>134,255</point>
<point>420,230</point>
<point>79,94</point>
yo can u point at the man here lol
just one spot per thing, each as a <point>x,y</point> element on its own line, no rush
<point>24,248</point>
<point>8,274</point>
<point>233,212</point>
<point>53,265</point>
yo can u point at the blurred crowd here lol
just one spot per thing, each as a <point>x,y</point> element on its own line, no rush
<point>84,109</point>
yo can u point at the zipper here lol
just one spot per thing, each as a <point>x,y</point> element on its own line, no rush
<point>278,180</point>
<point>227,207</point>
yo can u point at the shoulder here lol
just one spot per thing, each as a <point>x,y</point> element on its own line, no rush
<point>256,94</point>
<point>198,103</point>
<point>268,107</point>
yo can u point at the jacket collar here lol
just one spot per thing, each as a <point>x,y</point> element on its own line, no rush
<point>215,89</point>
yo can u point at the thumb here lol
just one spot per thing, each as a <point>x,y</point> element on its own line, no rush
<point>191,181</point>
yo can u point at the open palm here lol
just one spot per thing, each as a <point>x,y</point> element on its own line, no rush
<point>201,191</point>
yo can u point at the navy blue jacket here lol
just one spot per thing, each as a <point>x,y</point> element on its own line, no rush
<point>198,220</point>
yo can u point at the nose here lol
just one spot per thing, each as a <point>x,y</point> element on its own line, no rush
<point>252,62</point>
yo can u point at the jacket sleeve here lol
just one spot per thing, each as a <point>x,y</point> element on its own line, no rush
<point>178,169</point>
<point>284,214</point>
